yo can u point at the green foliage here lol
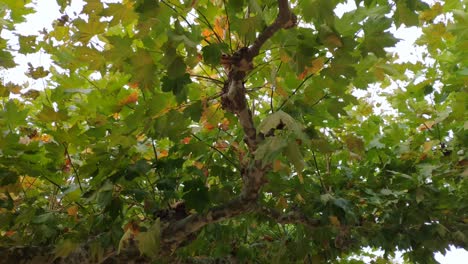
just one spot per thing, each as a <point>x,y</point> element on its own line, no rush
<point>129,122</point>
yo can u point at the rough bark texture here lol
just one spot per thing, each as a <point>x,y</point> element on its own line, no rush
<point>177,230</point>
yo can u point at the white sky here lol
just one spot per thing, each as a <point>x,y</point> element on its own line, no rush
<point>47,11</point>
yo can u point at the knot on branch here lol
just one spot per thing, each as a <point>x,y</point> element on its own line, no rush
<point>291,22</point>
<point>233,94</point>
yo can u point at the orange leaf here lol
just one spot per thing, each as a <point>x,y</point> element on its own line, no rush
<point>280,91</point>
<point>9,233</point>
<point>317,66</point>
<point>133,85</point>
<point>208,126</point>
<point>186,140</point>
<point>163,153</point>
<point>225,124</point>
<point>206,33</point>
<point>72,210</point>
<point>221,145</point>
<point>132,98</point>
<point>133,227</point>
<point>303,74</point>
<point>219,26</point>
<point>277,165</point>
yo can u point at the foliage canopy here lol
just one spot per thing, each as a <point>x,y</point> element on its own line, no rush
<point>196,131</point>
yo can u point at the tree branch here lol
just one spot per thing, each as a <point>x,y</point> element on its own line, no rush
<point>176,233</point>
<point>285,19</point>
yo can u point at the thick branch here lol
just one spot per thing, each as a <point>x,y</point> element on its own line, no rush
<point>178,232</point>
<point>285,19</point>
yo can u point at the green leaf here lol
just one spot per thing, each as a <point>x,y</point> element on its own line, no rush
<point>14,115</point>
<point>27,44</point>
<point>7,201</point>
<point>120,13</point>
<point>64,248</point>
<point>37,73</point>
<point>43,218</point>
<point>177,85</point>
<point>212,53</point>
<point>149,241</point>
<point>176,68</point>
<point>48,114</point>
<point>270,149</point>
<point>6,59</point>
<point>295,156</point>
<point>88,29</point>
<point>196,195</point>
<point>404,15</point>
<point>280,120</point>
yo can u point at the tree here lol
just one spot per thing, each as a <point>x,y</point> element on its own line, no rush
<point>233,131</point>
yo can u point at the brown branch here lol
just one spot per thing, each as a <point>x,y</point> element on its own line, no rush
<point>176,233</point>
<point>285,19</point>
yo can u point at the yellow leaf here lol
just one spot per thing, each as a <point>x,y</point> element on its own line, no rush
<point>427,146</point>
<point>333,41</point>
<point>317,65</point>
<point>282,203</point>
<point>45,138</point>
<point>284,57</point>
<point>334,221</point>
<point>299,198</point>
<point>379,73</point>
<point>280,91</point>
<point>28,182</point>
<point>426,125</point>
<point>300,177</point>
<point>123,243</point>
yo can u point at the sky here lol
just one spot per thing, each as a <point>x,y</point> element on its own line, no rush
<point>47,11</point>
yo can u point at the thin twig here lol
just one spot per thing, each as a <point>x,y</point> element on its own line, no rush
<point>318,171</point>
<point>273,87</point>
<point>295,91</point>
<point>207,23</point>
<point>73,166</point>
<point>217,150</point>
<point>155,157</point>
<point>216,81</point>
<point>177,12</point>
<point>91,82</point>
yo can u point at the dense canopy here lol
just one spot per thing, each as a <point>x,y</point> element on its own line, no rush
<point>234,131</point>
